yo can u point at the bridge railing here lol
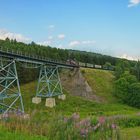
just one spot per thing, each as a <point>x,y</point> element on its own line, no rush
<point>3,49</point>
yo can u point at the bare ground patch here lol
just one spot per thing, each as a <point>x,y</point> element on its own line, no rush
<point>75,83</point>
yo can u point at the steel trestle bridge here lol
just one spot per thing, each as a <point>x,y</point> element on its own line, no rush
<point>49,83</point>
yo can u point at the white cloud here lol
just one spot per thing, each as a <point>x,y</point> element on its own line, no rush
<point>88,42</point>
<point>61,36</point>
<point>19,37</point>
<point>45,43</point>
<point>133,3</point>
<point>74,43</point>
<point>85,42</point>
<point>125,56</point>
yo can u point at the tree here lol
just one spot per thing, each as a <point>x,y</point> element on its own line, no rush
<point>134,95</point>
<point>121,89</point>
<point>7,39</point>
<point>137,67</point>
<point>33,43</point>
<point>121,67</point>
<point>107,65</point>
<point>127,89</point>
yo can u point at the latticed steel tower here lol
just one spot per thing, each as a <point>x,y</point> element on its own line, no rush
<point>10,95</point>
<point>49,83</point>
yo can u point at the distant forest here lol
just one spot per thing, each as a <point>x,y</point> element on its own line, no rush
<point>56,53</point>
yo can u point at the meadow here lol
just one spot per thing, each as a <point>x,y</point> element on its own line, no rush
<point>40,123</point>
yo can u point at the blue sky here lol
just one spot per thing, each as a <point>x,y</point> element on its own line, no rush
<point>104,26</point>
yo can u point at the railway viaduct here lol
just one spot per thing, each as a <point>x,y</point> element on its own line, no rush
<point>49,83</point>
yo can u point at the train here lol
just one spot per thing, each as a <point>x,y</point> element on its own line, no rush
<point>72,62</point>
<point>95,66</point>
<point>89,65</point>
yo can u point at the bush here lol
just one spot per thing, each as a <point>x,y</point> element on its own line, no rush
<point>127,122</point>
<point>134,95</point>
<point>121,88</point>
<point>127,89</point>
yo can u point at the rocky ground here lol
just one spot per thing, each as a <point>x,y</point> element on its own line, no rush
<point>75,83</point>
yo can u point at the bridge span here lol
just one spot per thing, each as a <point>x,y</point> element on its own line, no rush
<point>49,83</point>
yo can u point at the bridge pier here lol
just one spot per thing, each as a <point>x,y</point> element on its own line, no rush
<point>49,84</point>
<point>50,102</point>
<point>36,100</point>
<point>10,94</point>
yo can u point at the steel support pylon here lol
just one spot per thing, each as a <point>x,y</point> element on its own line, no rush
<point>49,83</point>
<point>10,94</point>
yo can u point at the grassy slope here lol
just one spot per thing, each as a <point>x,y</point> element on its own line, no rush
<point>5,135</point>
<point>131,133</point>
<point>100,81</point>
<point>72,104</point>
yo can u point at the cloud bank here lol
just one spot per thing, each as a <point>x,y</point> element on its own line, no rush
<point>126,56</point>
<point>133,3</point>
<point>45,43</point>
<point>19,37</point>
<point>77,43</point>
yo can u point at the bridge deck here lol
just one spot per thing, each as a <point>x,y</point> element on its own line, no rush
<point>35,60</point>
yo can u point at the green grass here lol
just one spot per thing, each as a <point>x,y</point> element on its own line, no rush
<point>130,133</point>
<point>101,82</point>
<point>6,135</point>
<point>71,104</point>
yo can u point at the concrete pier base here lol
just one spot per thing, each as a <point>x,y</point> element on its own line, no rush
<point>36,100</point>
<point>62,97</point>
<point>50,102</point>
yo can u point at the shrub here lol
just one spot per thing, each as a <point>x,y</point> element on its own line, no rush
<point>134,95</point>
<point>127,122</point>
<point>127,89</point>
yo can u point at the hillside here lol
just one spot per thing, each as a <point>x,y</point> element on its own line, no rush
<point>99,102</point>
<point>101,84</point>
<point>95,85</point>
